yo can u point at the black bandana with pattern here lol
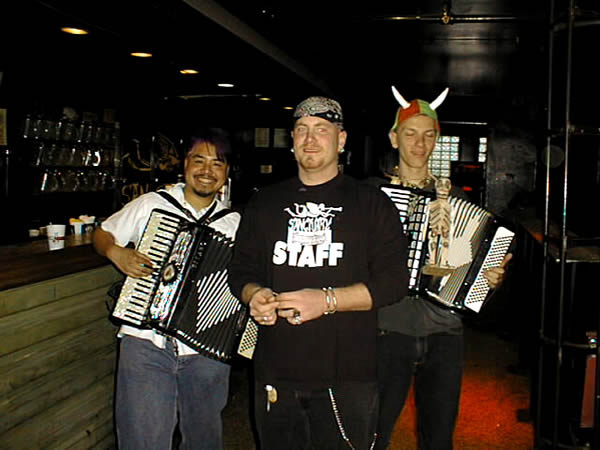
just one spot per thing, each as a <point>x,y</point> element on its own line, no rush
<point>322,107</point>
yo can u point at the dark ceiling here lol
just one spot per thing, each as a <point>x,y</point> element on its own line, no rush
<point>491,53</point>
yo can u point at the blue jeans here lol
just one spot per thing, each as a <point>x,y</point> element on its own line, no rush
<point>436,362</point>
<point>303,419</point>
<point>157,390</point>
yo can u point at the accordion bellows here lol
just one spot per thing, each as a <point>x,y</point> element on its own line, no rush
<point>478,241</point>
<point>187,295</point>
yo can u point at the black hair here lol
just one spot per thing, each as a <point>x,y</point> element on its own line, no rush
<point>215,136</point>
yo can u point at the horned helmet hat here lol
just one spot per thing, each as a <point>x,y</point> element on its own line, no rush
<point>417,107</point>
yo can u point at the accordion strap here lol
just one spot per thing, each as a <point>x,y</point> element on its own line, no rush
<point>206,218</point>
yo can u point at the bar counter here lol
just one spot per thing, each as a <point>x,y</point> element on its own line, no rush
<point>575,253</point>
<point>32,262</point>
<point>57,346</point>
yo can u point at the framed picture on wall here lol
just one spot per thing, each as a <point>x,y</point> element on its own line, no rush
<point>281,138</point>
<point>262,137</point>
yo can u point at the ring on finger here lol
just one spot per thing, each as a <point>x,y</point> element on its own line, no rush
<point>297,317</point>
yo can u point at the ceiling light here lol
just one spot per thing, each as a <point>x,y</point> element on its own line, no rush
<point>264,99</point>
<point>141,54</point>
<point>72,30</point>
<point>188,71</point>
<point>227,85</point>
<point>288,107</point>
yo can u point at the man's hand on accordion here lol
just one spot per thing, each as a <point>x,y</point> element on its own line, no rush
<point>495,276</point>
<point>130,261</point>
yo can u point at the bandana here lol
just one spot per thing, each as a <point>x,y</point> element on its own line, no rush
<point>417,107</point>
<point>322,107</point>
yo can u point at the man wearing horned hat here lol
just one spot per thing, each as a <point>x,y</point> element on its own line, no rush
<point>418,338</point>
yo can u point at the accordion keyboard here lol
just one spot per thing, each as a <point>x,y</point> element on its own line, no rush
<point>413,213</point>
<point>156,242</point>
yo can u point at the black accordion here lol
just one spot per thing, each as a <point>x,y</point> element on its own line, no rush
<point>478,241</point>
<point>187,295</point>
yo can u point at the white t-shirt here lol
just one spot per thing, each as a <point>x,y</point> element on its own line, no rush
<point>127,225</point>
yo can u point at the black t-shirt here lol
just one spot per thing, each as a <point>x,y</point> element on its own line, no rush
<point>339,233</point>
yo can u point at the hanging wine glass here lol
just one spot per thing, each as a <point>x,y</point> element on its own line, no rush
<point>93,180</point>
<point>106,154</point>
<point>83,181</point>
<point>69,131</point>
<point>71,183</point>
<point>36,126</point>
<point>38,153</point>
<point>95,156</point>
<point>63,155</point>
<point>53,184</point>
<point>48,155</point>
<point>44,181</point>
<point>87,155</point>
<point>77,155</point>
<point>58,130</point>
<point>47,129</point>
<point>27,127</point>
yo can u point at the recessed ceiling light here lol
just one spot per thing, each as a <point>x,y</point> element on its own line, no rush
<point>228,85</point>
<point>72,30</point>
<point>264,99</point>
<point>188,71</point>
<point>141,54</point>
<point>288,107</point>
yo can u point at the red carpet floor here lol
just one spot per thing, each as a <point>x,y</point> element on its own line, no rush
<point>492,401</point>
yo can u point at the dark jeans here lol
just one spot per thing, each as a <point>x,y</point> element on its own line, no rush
<point>303,419</point>
<point>436,362</point>
<point>156,390</point>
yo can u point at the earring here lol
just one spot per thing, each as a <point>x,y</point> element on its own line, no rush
<point>342,150</point>
<point>292,150</point>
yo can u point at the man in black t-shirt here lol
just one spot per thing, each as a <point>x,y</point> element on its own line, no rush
<point>315,256</point>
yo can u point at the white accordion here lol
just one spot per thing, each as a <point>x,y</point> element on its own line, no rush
<point>477,241</point>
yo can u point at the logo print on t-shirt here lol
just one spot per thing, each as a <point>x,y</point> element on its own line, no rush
<point>309,237</point>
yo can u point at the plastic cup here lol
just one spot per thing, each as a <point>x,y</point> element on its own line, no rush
<point>78,228</point>
<point>56,236</point>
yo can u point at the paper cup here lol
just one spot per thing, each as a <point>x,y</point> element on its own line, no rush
<point>89,224</point>
<point>56,236</point>
<point>78,228</point>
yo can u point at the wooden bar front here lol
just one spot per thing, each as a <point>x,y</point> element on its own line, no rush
<point>57,348</point>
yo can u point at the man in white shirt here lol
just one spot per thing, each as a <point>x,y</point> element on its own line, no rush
<point>161,382</point>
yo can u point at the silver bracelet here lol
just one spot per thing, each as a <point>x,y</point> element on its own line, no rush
<point>330,300</point>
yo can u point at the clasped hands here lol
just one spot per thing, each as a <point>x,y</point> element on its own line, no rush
<point>296,307</point>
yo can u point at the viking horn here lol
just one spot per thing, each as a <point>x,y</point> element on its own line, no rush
<point>438,101</point>
<point>400,99</point>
